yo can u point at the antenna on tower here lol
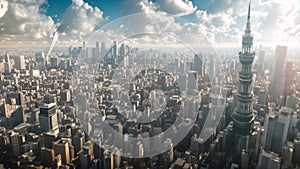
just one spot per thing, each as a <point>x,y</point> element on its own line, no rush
<point>249,11</point>
<point>248,27</point>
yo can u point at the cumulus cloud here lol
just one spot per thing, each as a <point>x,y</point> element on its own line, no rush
<point>160,30</point>
<point>137,6</point>
<point>272,20</point>
<point>145,23</point>
<point>282,21</point>
<point>172,7</point>
<point>177,7</point>
<point>219,28</point>
<point>3,7</point>
<point>80,19</point>
<point>223,23</point>
<point>24,22</point>
<point>233,6</point>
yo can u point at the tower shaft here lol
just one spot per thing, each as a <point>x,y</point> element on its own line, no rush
<point>243,117</point>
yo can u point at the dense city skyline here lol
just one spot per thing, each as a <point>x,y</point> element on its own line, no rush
<point>164,84</point>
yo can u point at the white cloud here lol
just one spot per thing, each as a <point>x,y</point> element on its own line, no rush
<point>80,19</point>
<point>285,26</point>
<point>137,6</point>
<point>272,20</point>
<point>150,20</point>
<point>233,6</point>
<point>223,23</point>
<point>153,30</point>
<point>177,7</point>
<point>146,24</point>
<point>23,22</point>
<point>172,7</point>
<point>219,28</point>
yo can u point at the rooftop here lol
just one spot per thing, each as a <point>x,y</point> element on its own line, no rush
<point>47,106</point>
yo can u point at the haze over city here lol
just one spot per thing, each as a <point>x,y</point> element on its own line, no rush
<point>150,84</point>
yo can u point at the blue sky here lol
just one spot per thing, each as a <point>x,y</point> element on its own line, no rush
<point>112,8</point>
<point>33,22</point>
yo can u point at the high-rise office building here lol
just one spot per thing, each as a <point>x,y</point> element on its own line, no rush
<point>262,97</point>
<point>123,50</point>
<point>48,117</point>
<point>16,141</point>
<point>192,81</point>
<point>212,70</point>
<point>277,129</point>
<point>261,62</point>
<point>278,72</point>
<point>7,67</point>
<point>115,49</point>
<point>289,77</point>
<point>62,147</point>
<point>49,138</point>
<point>268,161</point>
<point>86,155</point>
<point>103,50</point>
<point>47,156</point>
<point>96,53</point>
<point>13,114</point>
<point>296,153</point>
<point>20,62</point>
<point>243,117</point>
<point>198,64</point>
<point>19,96</point>
<point>40,61</point>
<point>7,58</point>
<point>54,62</point>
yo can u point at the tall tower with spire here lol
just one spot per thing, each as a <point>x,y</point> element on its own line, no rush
<point>243,117</point>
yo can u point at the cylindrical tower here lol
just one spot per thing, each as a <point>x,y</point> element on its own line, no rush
<point>243,117</point>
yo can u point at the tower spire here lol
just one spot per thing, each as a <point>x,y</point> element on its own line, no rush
<point>249,12</point>
<point>248,27</point>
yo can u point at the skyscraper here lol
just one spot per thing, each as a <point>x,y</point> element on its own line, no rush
<point>103,50</point>
<point>20,62</point>
<point>289,76</point>
<point>278,73</point>
<point>277,129</point>
<point>198,64</point>
<point>296,153</point>
<point>48,117</point>
<point>7,58</point>
<point>243,117</point>
<point>212,70</point>
<point>115,49</point>
<point>261,62</point>
<point>62,147</point>
<point>96,53</point>
<point>269,161</point>
<point>16,141</point>
<point>192,81</point>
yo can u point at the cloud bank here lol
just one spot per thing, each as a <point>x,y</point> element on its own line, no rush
<point>80,19</point>
<point>24,24</point>
<point>273,21</point>
<point>223,22</point>
<point>177,7</point>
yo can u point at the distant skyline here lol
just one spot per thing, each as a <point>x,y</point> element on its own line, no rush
<point>222,22</point>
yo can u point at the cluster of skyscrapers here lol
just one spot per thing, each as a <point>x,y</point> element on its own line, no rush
<point>53,109</point>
